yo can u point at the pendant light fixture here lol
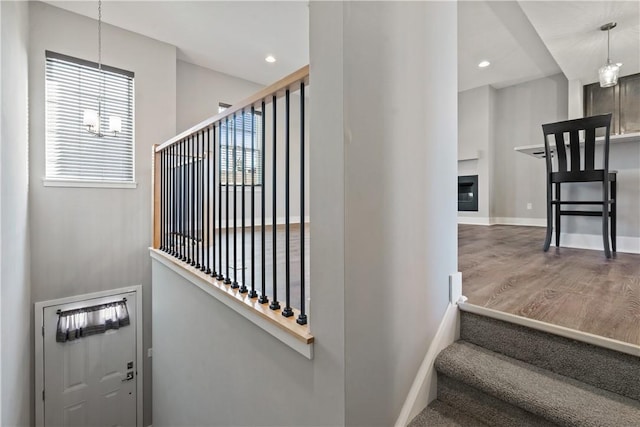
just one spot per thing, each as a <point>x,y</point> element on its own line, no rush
<point>92,119</point>
<point>608,73</point>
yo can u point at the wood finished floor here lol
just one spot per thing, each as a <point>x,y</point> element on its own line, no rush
<point>505,269</point>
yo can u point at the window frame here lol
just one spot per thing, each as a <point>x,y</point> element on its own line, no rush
<point>221,107</point>
<point>56,181</point>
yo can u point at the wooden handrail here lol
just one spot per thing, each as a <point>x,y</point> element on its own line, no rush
<point>277,89</point>
<point>155,204</point>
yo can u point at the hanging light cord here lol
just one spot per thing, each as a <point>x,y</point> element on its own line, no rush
<point>100,35</point>
<point>101,94</point>
<point>608,45</point>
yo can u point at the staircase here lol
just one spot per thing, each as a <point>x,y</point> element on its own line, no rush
<point>501,374</point>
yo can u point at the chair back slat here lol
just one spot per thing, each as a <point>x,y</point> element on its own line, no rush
<point>562,152</point>
<point>590,149</point>
<point>574,147</point>
<point>573,128</point>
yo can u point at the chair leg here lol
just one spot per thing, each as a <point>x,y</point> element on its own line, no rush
<point>605,218</point>
<point>547,240</point>
<point>614,206</point>
<point>558,208</point>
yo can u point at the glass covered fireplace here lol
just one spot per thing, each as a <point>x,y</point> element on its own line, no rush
<point>468,193</point>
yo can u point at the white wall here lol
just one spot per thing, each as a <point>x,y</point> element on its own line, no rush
<point>87,239</point>
<point>400,204</point>
<point>15,293</point>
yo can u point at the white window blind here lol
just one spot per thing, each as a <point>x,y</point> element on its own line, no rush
<point>248,127</point>
<point>73,85</point>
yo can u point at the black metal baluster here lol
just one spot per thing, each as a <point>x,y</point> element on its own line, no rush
<point>187,200</point>
<point>287,312</point>
<point>167,200</point>
<point>253,293</point>
<point>275,305</point>
<point>161,202</point>
<point>207,208</point>
<point>196,198</point>
<point>302,317</point>
<point>201,198</point>
<point>212,230</point>
<point>263,296</point>
<point>219,232</point>
<point>174,205</point>
<point>243,287</point>
<point>202,202</point>
<point>235,285</point>
<point>227,280</point>
<point>175,200</point>
<point>184,202</point>
<point>192,205</point>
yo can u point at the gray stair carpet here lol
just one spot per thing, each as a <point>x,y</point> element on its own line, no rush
<point>600,367</point>
<point>439,414</point>
<point>535,393</point>
<point>506,375</point>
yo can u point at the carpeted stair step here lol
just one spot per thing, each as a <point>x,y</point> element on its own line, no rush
<point>525,393</point>
<point>439,414</point>
<point>491,410</point>
<point>607,369</point>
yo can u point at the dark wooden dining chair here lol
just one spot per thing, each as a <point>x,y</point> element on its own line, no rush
<point>579,166</point>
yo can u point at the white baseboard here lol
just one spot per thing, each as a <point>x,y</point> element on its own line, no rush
<point>424,388</point>
<point>568,240</point>
<point>474,220</point>
<point>625,244</point>
<point>483,220</point>
<point>528,222</point>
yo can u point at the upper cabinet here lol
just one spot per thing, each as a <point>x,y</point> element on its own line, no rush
<point>623,100</point>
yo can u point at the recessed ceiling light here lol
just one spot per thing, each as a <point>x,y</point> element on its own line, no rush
<point>270,58</point>
<point>484,64</point>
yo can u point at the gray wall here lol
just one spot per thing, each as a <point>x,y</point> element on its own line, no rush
<point>400,163</point>
<point>214,367</point>
<point>15,307</point>
<point>87,239</point>
<point>520,111</point>
<point>199,90</point>
<point>476,138</point>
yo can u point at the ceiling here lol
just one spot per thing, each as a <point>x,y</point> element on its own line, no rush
<point>232,37</point>
<point>523,40</point>
<point>500,33</point>
<point>571,32</point>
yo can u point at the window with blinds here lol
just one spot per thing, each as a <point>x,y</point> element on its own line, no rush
<point>73,154</point>
<point>248,127</point>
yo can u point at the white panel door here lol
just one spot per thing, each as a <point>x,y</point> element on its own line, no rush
<point>90,381</point>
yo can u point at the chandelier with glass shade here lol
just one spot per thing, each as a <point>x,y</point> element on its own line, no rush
<point>608,73</point>
<point>92,119</point>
